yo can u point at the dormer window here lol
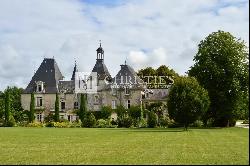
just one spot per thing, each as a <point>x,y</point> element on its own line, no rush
<point>39,86</point>
<point>127,91</point>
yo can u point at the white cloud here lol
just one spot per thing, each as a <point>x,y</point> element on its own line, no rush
<point>147,33</point>
<point>139,59</point>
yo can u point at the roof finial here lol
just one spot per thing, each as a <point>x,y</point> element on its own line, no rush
<point>126,60</point>
<point>100,43</point>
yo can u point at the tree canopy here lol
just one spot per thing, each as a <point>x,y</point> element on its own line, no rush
<point>221,67</point>
<point>187,101</point>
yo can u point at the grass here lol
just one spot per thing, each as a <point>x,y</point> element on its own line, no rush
<point>123,146</point>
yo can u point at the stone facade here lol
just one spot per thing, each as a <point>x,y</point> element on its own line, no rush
<point>48,81</point>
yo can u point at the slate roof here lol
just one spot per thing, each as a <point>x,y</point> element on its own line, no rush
<point>66,86</point>
<point>101,69</point>
<point>127,75</point>
<point>49,73</point>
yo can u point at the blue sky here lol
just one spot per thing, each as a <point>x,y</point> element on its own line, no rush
<point>145,32</point>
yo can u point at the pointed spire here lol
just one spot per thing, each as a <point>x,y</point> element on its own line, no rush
<point>100,43</point>
<point>125,62</point>
<point>74,71</point>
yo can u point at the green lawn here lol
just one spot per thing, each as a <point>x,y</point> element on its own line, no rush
<point>123,146</point>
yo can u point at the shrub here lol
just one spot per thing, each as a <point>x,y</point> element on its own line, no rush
<point>152,119</point>
<point>105,113</point>
<point>49,118</point>
<point>124,122</point>
<point>113,122</point>
<point>164,121</point>
<point>49,124</point>
<point>197,123</point>
<point>101,123</point>
<point>143,123</point>
<point>135,112</point>
<point>11,122</point>
<point>22,124</point>
<point>64,120</point>
<point>61,124</point>
<point>58,124</point>
<point>210,122</point>
<point>75,124</point>
<point>35,124</point>
<point>89,120</point>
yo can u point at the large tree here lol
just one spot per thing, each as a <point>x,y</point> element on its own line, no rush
<point>162,75</point>
<point>145,73</point>
<point>56,116</point>
<point>187,101</point>
<point>221,67</point>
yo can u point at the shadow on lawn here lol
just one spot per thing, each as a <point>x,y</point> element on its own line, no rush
<point>147,129</point>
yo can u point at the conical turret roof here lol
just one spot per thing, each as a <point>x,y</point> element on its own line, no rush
<point>49,73</point>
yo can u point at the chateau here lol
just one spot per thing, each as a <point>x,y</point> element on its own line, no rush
<point>110,91</point>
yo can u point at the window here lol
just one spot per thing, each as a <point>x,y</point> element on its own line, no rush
<point>70,118</point>
<point>39,101</point>
<point>113,91</point>
<point>90,79</point>
<point>61,116</point>
<point>76,105</point>
<point>113,104</point>
<point>96,99</point>
<point>127,91</point>
<point>62,105</point>
<point>39,117</point>
<point>39,88</point>
<point>128,104</point>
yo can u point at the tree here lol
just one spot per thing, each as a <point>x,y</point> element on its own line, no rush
<point>7,109</point>
<point>2,98</point>
<point>32,108</point>
<point>149,71</point>
<point>56,116</point>
<point>221,67</point>
<point>89,120</point>
<point>165,71</point>
<point>15,102</point>
<point>83,107</point>
<point>187,101</point>
<point>152,119</point>
<point>135,113</point>
<point>104,113</point>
